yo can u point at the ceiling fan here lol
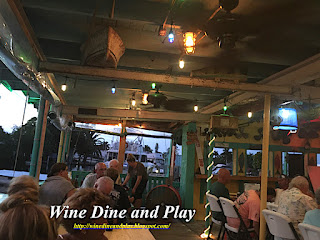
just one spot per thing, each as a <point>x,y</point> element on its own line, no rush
<point>158,100</point>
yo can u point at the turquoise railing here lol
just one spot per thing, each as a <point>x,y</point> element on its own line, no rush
<point>79,176</point>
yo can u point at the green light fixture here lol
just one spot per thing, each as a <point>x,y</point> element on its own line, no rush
<point>153,85</point>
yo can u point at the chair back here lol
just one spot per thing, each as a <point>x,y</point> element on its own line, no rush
<point>213,201</point>
<point>272,206</point>
<point>309,232</point>
<point>228,207</point>
<point>279,225</point>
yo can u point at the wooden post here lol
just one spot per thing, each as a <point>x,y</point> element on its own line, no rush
<point>264,165</point>
<point>43,136</point>
<point>172,162</point>
<point>122,147</point>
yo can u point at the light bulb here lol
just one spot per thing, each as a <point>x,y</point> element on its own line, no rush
<point>113,90</point>
<point>64,87</point>
<point>133,102</point>
<point>225,108</point>
<point>249,114</point>
<point>196,108</point>
<point>153,85</point>
<point>181,63</point>
<point>171,37</point>
<point>189,42</point>
<point>145,98</point>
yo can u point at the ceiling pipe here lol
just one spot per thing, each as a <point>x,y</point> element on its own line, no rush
<point>24,73</point>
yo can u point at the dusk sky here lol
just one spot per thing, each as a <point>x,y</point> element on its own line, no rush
<point>12,106</point>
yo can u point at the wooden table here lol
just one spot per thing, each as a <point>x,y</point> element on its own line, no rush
<point>123,234</point>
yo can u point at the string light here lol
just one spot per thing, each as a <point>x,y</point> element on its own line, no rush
<point>210,176</point>
<point>249,114</point>
<point>171,36</point>
<point>196,108</point>
<point>145,98</point>
<point>225,106</point>
<point>113,89</point>
<point>181,63</point>
<point>64,86</point>
<point>133,100</point>
<point>153,85</point>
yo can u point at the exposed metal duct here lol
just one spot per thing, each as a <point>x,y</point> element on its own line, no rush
<point>24,73</point>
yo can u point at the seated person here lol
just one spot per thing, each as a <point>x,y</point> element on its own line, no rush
<point>57,187</point>
<point>99,171</point>
<point>85,198</point>
<point>22,219</point>
<point>313,217</point>
<point>283,183</point>
<point>294,203</point>
<point>219,189</point>
<point>118,194</point>
<point>114,163</point>
<point>248,204</point>
<point>105,185</point>
<point>26,186</point>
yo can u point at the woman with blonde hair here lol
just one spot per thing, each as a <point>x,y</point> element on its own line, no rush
<point>22,219</point>
<point>20,189</point>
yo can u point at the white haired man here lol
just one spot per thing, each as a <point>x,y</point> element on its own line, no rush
<point>99,171</point>
<point>105,185</point>
<point>114,164</point>
<point>294,202</point>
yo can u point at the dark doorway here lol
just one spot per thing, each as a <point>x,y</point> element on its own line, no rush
<point>296,165</point>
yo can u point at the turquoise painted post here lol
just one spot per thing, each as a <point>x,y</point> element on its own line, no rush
<point>187,167</point>
<point>36,139</point>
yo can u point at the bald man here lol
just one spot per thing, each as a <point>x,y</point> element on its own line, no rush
<point>219,189</point>
<point>114,163</point>
<point>105,185</point>
<point>99,171</point>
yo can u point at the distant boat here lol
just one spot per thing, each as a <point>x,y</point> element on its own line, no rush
<point>154,162</point>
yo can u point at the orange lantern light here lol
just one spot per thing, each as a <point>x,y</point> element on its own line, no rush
<point>189,40</point>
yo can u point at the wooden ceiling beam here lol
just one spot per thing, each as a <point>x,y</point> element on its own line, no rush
<point>110,113</point>
<point>226,83</point>
<point>155,126</point>
<point>296,75</point>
